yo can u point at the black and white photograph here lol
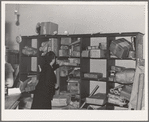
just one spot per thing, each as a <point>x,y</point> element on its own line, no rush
<point>67,60</point>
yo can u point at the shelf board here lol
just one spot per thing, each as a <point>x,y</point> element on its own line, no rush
<point>85,35</point>
<point>23,55</point>
<point>121,59</point>
<point>101,79</point>
<point>93,58</point>
<point>66,57</point>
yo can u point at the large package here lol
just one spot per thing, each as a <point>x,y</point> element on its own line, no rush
<point>93,75</point>
<point>125,76</point>
<point>48,28</point>
<point>97,99</point>
<point>120,48</point>
<point>97,53</point>
<point>73,87</point>
<point>29,51</point>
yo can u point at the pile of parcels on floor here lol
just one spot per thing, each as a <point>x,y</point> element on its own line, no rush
<point>65,100</point>
<point>121,94</point>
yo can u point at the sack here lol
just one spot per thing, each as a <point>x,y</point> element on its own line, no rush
<point>29,51</point>
<point>125,76</point>
<point>28,85</point>
<point>126,92</point>
<point>120,48</point>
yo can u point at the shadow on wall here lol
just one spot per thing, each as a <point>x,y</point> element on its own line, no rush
<point>8,39</point>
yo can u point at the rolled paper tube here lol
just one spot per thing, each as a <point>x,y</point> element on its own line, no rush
<point>116,92</point>
<point>94,90</point>
<point>112,90</point>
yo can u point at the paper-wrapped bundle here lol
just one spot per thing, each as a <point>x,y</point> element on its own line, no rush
<point>125,76</point>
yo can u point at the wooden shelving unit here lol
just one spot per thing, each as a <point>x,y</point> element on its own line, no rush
<point>85,41</point>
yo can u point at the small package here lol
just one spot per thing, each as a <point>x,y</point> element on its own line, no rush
<point>63,52</point>
<point>85,53</point>
<point>74,60</point>
<point>76,48</point>
<point>125,76</point>
<point>61,100</point>
<point>63,47</point>
<point>76,73</point>
<point>93,75</point>
<point>97,53</point>
<point>75,54</point>
<point>73,87</point>
<point>65,41</point>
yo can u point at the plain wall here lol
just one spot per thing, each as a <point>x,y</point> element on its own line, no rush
<point>76,19</point>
